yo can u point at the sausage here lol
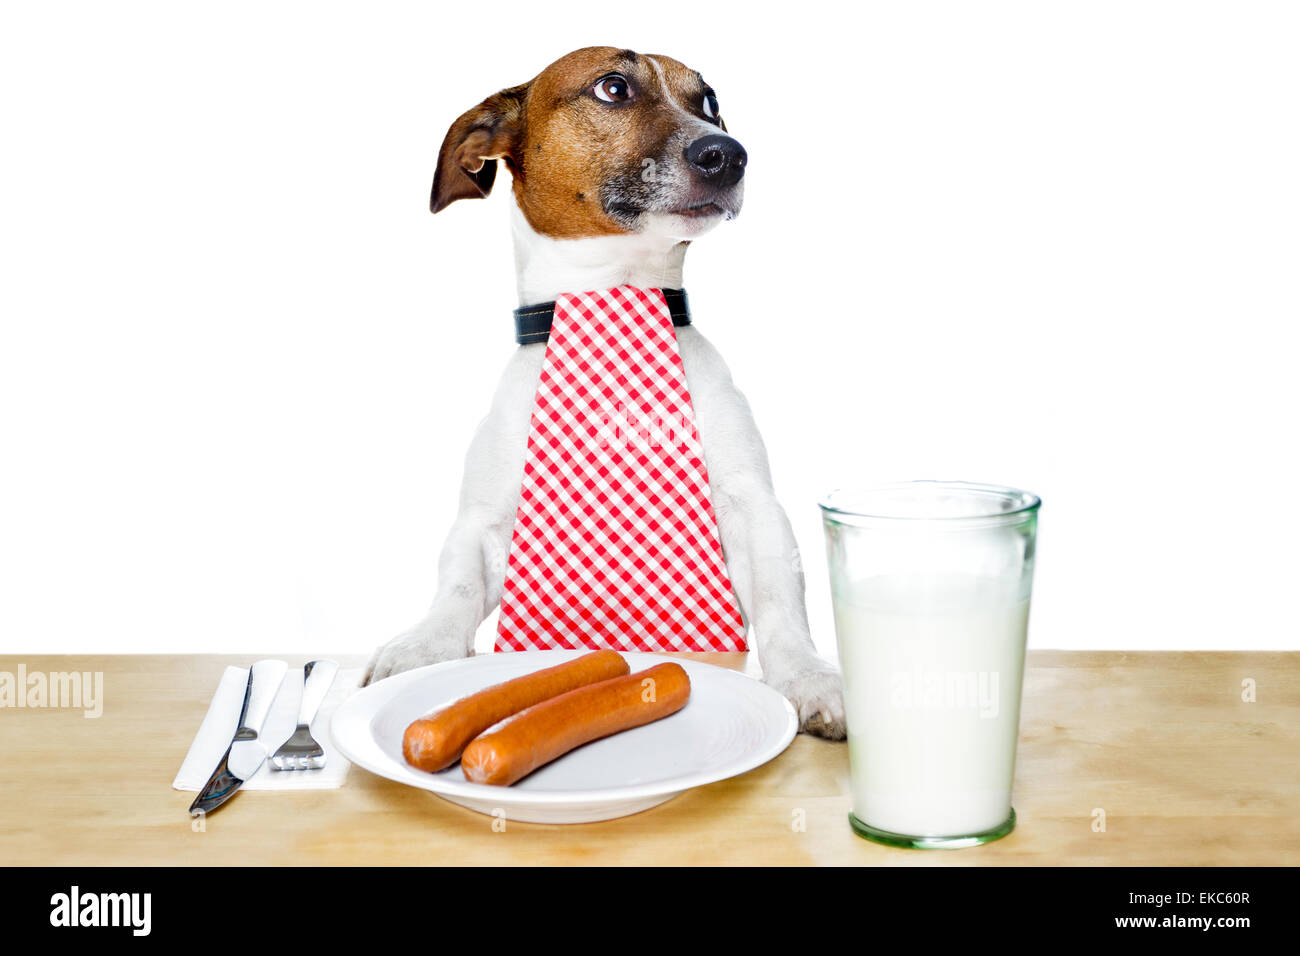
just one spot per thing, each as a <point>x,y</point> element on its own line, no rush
<point>434,742</point>
<point>554,727</point>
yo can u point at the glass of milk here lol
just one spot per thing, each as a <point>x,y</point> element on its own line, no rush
<point>931,582</point>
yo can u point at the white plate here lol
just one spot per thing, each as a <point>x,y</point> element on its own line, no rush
<point>731,724</point>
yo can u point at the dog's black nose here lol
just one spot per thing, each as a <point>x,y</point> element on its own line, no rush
<point>719,159</point>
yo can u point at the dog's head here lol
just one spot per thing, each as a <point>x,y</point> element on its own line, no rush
<point>602,142</point>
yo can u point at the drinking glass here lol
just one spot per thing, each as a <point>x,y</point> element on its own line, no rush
<point>931,583</point>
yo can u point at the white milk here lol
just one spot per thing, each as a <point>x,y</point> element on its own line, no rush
<point>932,671</point>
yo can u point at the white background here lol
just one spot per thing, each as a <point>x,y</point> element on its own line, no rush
<point>1047,245</point>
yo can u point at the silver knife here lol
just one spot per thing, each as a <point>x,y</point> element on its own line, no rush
<point>246,752</point>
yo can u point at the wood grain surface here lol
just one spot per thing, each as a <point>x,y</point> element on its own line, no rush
<point>1184,770</point>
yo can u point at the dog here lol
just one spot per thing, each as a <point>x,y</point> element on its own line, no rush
<point>618,161</point>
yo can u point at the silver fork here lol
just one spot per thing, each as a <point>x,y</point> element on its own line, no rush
<point>301,751</point>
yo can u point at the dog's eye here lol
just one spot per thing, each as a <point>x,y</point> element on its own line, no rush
<point>612,89</point>
<point>710,104</point>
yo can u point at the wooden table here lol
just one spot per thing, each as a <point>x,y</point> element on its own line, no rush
<point>1185,771</point>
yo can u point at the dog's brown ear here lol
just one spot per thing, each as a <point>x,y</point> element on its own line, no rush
<point>467,162</point>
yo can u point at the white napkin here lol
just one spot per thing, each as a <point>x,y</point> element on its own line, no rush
<point>219,725</point>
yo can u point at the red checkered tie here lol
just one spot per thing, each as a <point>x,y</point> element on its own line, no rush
<point>615,542</point>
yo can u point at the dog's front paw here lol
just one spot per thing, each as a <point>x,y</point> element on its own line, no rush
<point>415,648</point>
<point>818,699</point>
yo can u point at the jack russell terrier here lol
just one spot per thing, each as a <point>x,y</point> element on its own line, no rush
<point>618,161</point>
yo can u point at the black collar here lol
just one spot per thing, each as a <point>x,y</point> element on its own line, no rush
<point>533,322</point>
